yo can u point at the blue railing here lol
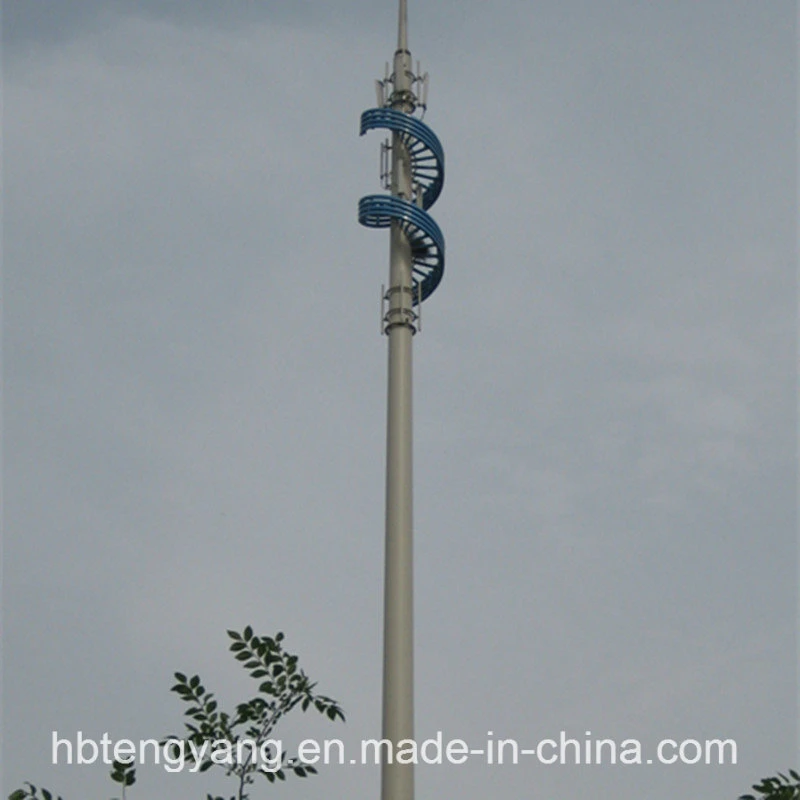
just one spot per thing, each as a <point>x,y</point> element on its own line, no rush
<point>427,171</point>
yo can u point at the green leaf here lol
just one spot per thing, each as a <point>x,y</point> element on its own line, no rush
<point>248,633</point>
<point>279,636</point>
<point>180,677</point>
<point>195,681</point>
<point>234,635</point>
<point>47,795</point>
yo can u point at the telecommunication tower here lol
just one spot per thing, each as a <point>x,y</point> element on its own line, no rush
<point>412,170</point>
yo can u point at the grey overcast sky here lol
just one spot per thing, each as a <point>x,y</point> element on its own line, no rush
<point>605,387</point>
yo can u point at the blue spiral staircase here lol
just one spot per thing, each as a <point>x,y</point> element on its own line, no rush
<point>427,171</point>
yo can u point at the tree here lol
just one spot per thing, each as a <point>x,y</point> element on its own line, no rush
<point>780,787</point>
<point>215,738</point>
<point>121,773</point>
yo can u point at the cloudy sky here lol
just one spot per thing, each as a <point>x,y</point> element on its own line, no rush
<point>605,406</point>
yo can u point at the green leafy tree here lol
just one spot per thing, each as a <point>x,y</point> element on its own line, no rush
<point>282,686</point>
<point>781,787</point>
<point>121,773</point>
<point>216,738</point>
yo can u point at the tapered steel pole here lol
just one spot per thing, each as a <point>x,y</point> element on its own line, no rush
<point>397,780</point>
<point>416,267</point>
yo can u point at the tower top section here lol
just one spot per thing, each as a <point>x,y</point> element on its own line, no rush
<point>415,177</point>
<point>404,89</point>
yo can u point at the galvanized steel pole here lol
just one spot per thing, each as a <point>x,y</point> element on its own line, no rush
<point>416,265</point>
<point>397,780</point>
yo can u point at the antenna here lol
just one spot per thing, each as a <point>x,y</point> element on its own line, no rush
<point>402,27</point>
